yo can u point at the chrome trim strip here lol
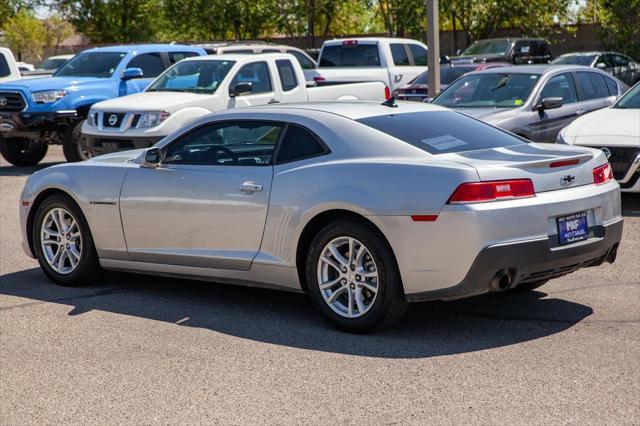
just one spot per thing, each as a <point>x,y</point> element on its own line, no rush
<point>635,164</point>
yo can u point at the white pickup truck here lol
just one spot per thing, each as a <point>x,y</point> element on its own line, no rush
<point>8,66</point>
<point>394,61</point>
<point>201,85</point>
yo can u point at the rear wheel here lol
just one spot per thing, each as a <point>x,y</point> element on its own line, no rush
<point>22,152</point>
<point>353,278</point>
<point>63,243</point>
<point>72,146</point>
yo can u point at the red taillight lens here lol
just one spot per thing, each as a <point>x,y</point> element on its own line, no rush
<point>387,92</point>
<point>319,79</point>
<point>602,174</point>
<point>479,192</point>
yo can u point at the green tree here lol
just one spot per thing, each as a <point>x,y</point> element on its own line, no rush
<point>620,25</point>
<point>25,34</point>
<point>56,31</point>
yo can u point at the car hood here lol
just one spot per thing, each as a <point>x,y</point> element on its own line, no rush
<point>488,115</point>
<point>608,126</point>
<point>152,101</point>
<point>54,83</point>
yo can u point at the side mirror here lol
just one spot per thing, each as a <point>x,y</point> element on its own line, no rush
<point>549,103</point>
<point>151,158</point>
<point>131,73</point>
<point>240,89</point>
<point>601,65</point>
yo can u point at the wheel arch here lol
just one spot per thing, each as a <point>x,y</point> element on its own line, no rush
<point>315,224</point>
<point>35,205</point>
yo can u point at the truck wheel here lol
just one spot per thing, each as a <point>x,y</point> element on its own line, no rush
<point>72,146</point>
<point>22,152</point>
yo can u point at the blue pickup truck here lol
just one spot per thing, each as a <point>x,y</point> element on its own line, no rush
<point>37,112</point>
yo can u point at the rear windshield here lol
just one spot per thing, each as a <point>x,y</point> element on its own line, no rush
<point>441,132</point>
<point>488,47</point>
<point>350,55</point>
<point>4,67</point>
<point>574,60</point>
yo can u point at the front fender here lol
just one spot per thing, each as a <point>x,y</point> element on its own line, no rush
<point>96,190</point>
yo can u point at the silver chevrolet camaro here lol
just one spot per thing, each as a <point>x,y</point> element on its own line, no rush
<point>364,206</point>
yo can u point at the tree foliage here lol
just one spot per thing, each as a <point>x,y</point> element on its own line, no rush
<point>56,30</point>
<point>620,25</point>
<point>25,34</point>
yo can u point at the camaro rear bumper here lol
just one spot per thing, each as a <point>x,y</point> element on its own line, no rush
<point>530,261</point>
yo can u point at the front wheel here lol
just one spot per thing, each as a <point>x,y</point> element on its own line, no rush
<point>353,279</point>
<point>63,243</point>
<point>22,152</point>
<point>72,146</point>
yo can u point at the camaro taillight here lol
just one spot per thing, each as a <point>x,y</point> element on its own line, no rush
<point>602,174</point>
<point>480,192</point>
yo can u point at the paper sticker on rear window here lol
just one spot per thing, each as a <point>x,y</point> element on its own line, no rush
<point>442,143</point>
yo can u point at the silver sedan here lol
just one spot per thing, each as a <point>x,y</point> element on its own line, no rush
<point>365,207</point>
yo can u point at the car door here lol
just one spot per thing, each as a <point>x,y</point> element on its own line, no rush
<point>546,124</point>
<point>206,204</point>
<point>593,91</point>
<point>258,75</point>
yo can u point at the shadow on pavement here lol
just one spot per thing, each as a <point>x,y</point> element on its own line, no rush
<point>630,204</point>
<point>281,318</point>
<point>24,171</point>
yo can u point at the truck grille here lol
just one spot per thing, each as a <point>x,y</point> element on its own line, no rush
<point>11,101</point>
<point>621,159</point>
<point>112,119</point>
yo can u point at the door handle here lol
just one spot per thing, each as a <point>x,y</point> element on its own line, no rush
<point>273,101</point>
<point>249,188</point>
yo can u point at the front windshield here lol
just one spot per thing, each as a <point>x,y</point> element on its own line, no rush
<point>586,60</point>
<point>487,47</point>
<point>447,75</point>
<point>631,99</point>
<point>192,76</point>
<point>495,90</point>
<point>92,64</point>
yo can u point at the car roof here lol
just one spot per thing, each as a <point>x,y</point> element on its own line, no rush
<point>353,110</point>
<point>372,39</point>
<point>533,69</point>
<point>239,56</point>
<point>144,48</point>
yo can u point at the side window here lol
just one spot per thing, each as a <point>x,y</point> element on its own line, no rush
<point>257,74</point>
<point>226,144</point>
<point>287,74</point>
<point>612,86</point>
<point>299,144</point>
<point>399,54</point>
<point>178,56</point>
<point>151,64</point>
<point>305,63</point>
<point>593,85</point>
<point>560,86</point>
<point>419,54</point>
<point>621,61</point>
<point>607,60</point>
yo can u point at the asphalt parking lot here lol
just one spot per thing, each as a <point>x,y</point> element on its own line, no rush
<point>137,349</point>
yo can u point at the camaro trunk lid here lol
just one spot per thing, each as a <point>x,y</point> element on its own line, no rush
<point>550,167</point>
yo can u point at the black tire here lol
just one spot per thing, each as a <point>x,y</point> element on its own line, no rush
<point>22,152</point>
<point>389,305</point>
<point>88,268</point>
<point>72,146</point>
<point>522,288</point>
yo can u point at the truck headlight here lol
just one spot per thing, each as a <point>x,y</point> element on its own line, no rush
<point>48,96</point>
<point>152,119</point>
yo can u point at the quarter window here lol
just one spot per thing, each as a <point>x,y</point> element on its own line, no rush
<point>226,144</point>
<point>612,86</point>
<point>419,54</point>
<point>593,85</point>
<point>287,74</point>
<point>151,64</point>
<point>256,74</point>
<point>560,86</point>
<point>399,54</point>
<point>299,144</point>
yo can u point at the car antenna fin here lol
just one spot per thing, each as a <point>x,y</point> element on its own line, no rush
<point>391,102</point>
